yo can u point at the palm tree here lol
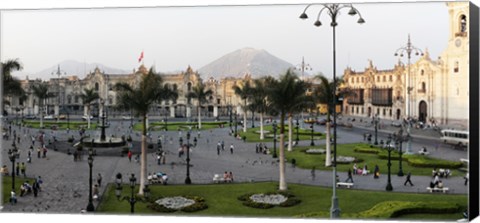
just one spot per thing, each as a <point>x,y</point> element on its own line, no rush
<point>201,94</point>
<point>10,85</point>
<point>41,92</point>
<point>140,99</point>
<point>244,93</point>
<point>285,95</point>
<point>259,101</point>
<point>323,94</point>
<point>88,96</point>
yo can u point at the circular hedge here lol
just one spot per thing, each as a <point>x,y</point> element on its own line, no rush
<point>198,205</point>
<point>247,201</point>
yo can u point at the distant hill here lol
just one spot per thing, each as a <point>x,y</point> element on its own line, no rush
<point>258,63</point>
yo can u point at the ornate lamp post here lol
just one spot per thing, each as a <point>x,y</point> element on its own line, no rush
<point>274,126</point>
<point>230,113</point>
<point>303,66</point>
<point>12,155</point>
<point>376,119</point>
<point>333,12</point>
<point>236,124</point>
<point>408,49</point>
<point>188,180</point>
<point>131,199</point>
<point>389,164</point>
<point>180,140</point>
<point>90,206</point>
<point>399,139</point>
<point>311,135</point>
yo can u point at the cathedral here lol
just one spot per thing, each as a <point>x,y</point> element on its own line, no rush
<point>431,91</point>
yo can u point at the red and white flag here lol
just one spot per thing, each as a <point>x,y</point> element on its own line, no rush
<point>141,57</point>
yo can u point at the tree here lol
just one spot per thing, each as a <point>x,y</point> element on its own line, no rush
<point>40,91</point>
<point>285,96</point>
<point>259,101</point>
<point>323,94</point>
<point>88,96</point>
<point>10,85</point>
<point>201,95</point>
<point>140,99</point>
<point>244,93</point>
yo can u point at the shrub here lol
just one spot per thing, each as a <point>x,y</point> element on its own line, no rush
<point>429,162</point>
<point>389,209</point>
<point>366,150</point>
<point>197,206</point>
<point>291,200</point>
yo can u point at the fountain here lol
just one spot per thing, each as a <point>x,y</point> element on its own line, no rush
<point>104,141</point>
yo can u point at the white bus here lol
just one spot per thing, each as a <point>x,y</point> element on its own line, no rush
<point>457,137</point>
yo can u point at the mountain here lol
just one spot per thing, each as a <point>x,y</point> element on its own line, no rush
<point>258,63</point>
<point>72,67</point>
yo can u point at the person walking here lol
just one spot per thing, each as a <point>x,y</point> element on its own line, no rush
<point>23,169</point>
<point>99,179</point>
<point>17,169</point>
<point>129,155</point>
<point>231,148</point>
<point>312,173</point>
<point>466,179</point>
<point>408,180</point>
<point>349,176</point>
<point>29,156</point>
<point>35,188</point>
<point>376,172</point>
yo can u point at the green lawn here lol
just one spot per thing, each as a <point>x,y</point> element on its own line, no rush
<point>315,201</point>
<point>307,161</point>
<point>253,134</point>
<point>61,125</point>
<point>7,186</point>
<point>174,126</point>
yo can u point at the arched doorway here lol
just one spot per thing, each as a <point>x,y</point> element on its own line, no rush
<point>422,111</point>
<point>369,111</point>
<point>399,113</point>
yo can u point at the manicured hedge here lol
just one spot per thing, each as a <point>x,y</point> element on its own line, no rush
<point>390,209</point>
<point>291,200</point>
<point>366,150</point>
<point>199,205</point>
<point>434,163</point>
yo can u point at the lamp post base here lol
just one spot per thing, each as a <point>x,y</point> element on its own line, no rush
<point>334,210</point>
<point>90,207</point>
<point>400,173</point>
<point>274,155</point>
<point>389,187</point>
<point>188,180</point>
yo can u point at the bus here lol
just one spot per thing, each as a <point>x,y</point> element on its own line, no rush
<point>457,137</point>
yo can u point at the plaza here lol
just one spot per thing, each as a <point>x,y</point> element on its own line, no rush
<point>65,181</point>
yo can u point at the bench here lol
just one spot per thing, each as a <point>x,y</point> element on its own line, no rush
<point>421,152</point>
<point>348,185</point>
<point>465,161</point>
<point>436,189</point>
<point>218,179</point>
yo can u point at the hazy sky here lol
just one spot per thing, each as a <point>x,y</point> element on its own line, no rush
<point>174,37</point>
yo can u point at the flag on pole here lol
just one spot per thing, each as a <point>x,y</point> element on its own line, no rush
<point>141,57</point>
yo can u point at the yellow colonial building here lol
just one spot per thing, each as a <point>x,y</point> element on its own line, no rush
<point>430,90</point>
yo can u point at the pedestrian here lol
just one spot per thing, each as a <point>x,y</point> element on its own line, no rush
<point>164,157</point>
<point>35,188</point>
<point>23,169</point>
<point>408,180</point>
<point>39,151</point>
<point>231,148</point>
<point>29,156</point>
<point>355,168</point>
<point>376,172</point>
<point>159,157</point>
<point>218,150</point>
<point>17,168</point>
<point>44,152</point>
<point>256,148</point>
<point>99,179</point>
<point>466,179</point>
<point>312,173</point>
<point>230,175</point>
<point>95,191</point>
<point>129,155</point>
<point>349,176</point>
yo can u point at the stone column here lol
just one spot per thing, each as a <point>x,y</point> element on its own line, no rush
<point>189,112</point>
<point>172,111</point>
<point>215,111</point>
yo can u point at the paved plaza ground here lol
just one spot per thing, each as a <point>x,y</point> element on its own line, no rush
<point>65,187</point>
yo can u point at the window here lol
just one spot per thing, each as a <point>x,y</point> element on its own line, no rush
<point>390,112</point>
<point>362,79</point>
<point>455,68</point>
<point>96,86</point>
<point>384,78</point>
<point>423,87</point>
<point>69,99</point>
<point>384,111</point>
<point>76,99</point>
<point>422,72</point>
<point>390,78</point>
<point>463,23</point>
<point>189,86</point>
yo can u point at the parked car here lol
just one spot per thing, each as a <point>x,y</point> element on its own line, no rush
<point>30,117</point>
<point>126,117</point>
<point>48,117</point>
<point>397,124</point>
<point>61,117</point>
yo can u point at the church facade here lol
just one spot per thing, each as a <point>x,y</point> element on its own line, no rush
<point>431,91</point>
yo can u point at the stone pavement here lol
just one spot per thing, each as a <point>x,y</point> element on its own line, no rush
<point>65,187</point>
